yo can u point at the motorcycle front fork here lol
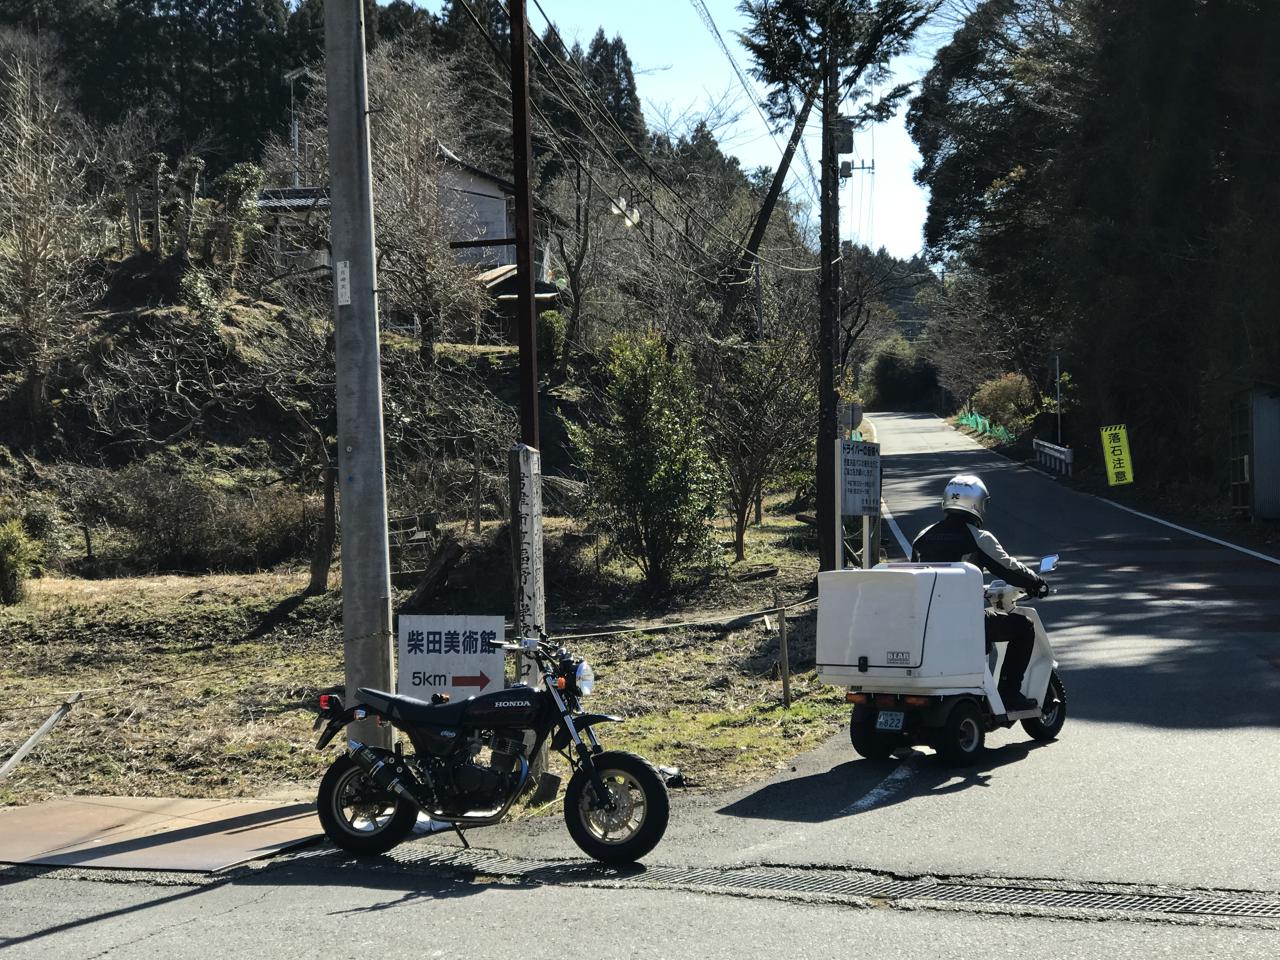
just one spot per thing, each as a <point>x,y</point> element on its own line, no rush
<point>585,753</point>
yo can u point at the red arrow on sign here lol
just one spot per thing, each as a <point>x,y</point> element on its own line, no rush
<point>481,681</point>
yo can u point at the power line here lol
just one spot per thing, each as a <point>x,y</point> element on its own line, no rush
<point>710,23</point>
<point>555,134</point>
<point>612,122</point>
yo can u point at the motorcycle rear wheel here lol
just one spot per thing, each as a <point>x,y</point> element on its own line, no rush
<point>357,815</point>
<point>635,823</point>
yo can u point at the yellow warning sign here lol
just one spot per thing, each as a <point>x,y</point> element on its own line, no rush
<point>1115,450</point>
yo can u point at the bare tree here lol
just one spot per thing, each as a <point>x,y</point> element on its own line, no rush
<point>758,400</point>
<point>46,235</point>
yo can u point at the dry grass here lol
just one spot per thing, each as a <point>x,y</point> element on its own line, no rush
<point>205,686</point>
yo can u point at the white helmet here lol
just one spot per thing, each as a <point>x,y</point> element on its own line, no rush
<point>966,494</point>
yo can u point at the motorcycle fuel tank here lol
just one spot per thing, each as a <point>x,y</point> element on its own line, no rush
<point>514,707</point>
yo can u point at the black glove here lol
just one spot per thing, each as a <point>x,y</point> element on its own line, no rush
<point>1041,589</point>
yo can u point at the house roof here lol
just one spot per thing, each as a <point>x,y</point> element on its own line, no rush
<point>293,198</point>
<point>452,158</point>
<point>500,282</point>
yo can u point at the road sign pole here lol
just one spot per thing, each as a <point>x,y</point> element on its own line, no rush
<point>867,560</point>
<point>838,510</point>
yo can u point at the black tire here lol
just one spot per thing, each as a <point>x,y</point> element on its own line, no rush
<point>867,741</point>
<point>347,798</point>
<point>1052,715</point>
<point>964,734</point>
<point>644,810</point>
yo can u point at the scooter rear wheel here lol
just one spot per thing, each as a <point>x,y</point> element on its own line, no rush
<point>964,735</point>
<point>867,741</point>
<point>1053,715</point>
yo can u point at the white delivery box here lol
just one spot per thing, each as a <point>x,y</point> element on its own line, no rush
<point>902,627</point>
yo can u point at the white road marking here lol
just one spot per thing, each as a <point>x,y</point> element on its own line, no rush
<point>886,788</point>
<point>1194,533</point>
<point>897,530</point>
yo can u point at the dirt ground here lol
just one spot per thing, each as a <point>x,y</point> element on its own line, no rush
<point>207,686</point>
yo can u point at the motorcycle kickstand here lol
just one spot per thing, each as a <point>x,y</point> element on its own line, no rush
<point>458,830</point>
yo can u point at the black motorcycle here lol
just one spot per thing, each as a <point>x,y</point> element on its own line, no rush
<point>470,761</point>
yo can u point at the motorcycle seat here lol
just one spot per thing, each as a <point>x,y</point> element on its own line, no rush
<point>414,712</point>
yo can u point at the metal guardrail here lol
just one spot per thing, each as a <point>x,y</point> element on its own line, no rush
<point>1056,458</point>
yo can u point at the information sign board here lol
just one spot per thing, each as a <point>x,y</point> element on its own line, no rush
<point>859,478</point>
<point>1115,451</point>
<point>460,656</point>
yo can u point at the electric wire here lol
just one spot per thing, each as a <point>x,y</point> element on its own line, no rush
<point>710,23</point>
<point>626,141</point>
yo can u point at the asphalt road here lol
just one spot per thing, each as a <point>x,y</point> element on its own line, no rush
<point>1164,779</point>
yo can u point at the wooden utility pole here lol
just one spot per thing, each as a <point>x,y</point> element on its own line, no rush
<point>521,150</point>
<point>366,576</point>
<point>830,525</point>
<point>525,461</point>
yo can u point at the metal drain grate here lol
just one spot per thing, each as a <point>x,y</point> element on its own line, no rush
<point>834,885</point>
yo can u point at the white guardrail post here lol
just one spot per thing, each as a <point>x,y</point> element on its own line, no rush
<point>1054,457</point>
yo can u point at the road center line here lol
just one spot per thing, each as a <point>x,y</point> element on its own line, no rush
<point>885,789</point>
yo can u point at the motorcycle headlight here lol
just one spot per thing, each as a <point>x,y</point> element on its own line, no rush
<point>585,679</point>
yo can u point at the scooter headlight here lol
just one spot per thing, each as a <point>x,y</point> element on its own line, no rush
<point>585,679</point>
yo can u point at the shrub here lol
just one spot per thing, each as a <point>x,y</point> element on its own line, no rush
<point>552,331</point>
<point>184,521</point>
<point>652,479</point>
<point>1008,401</point>
<point>19,556</point>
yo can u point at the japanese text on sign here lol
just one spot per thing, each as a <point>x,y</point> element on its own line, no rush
<point>1115,451</point>
<point>859,478</point>
<point>460,656</point>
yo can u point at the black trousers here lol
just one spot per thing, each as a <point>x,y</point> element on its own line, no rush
<point>1020,634</point>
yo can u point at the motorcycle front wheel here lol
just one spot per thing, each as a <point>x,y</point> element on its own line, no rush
<point>634,819</point>
<point>359,816</point>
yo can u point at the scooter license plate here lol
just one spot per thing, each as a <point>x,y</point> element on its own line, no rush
<point>890,720</point>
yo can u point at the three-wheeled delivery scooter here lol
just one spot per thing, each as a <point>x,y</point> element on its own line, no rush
<point>907,640</point>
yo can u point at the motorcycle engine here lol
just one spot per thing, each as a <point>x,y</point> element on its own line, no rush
<point>483,773</point>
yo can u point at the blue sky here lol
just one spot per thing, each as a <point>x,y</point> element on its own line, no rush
<point>681,70</point>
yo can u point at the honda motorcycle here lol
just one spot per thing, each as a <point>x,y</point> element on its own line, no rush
<point>470,761</point>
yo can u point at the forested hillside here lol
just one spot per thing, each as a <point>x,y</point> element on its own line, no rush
<point>1102,181</point>
<point>165,349</point>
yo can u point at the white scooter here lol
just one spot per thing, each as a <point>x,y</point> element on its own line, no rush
<point>907,640</point>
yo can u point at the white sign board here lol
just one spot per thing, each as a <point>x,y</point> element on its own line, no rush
<point>342,282</point>
<point>459,656</point>
<point>859,478</point>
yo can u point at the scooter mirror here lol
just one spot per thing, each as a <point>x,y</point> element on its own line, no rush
<point>1048,564</point>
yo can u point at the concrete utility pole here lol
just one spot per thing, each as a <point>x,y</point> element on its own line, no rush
<point>830,523</point>
<point>366,576</point>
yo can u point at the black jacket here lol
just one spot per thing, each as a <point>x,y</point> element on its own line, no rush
<point>958,538</point>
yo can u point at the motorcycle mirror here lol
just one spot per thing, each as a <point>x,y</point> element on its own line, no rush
<point>1049,563</point>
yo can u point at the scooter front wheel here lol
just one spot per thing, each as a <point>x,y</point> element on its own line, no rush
<point>1054,713</point>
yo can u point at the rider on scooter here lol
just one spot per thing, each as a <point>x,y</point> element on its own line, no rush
<point>959,537</point>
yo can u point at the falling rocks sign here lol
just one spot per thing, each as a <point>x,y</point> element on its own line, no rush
<point>460,656</point>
